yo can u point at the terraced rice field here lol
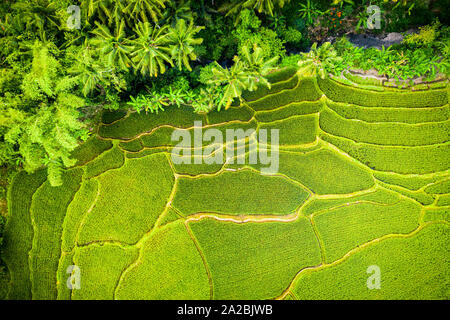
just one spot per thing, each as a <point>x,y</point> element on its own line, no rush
<point>363,180</point>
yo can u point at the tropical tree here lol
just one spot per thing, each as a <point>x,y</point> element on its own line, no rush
<point>319,61</point>
<point>150,49</point>
<point>177,10</point>
<point>114,47</point>
<point>182,40</point>
<point>107,11</point>
<point>141,10</point>
<point>262,6</point>
<point>234,79</point>
<point>258,65</point>
<point>91,73</point>
<point>45,129</point>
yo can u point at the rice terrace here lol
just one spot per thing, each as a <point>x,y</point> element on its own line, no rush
<point>305,176</point>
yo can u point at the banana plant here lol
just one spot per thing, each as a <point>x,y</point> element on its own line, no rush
<point>150,49</point>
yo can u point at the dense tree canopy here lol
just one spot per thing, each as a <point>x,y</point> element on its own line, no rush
<point>57,75</point>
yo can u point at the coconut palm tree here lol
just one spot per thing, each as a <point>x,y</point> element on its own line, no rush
<point>263,6</point>
<point>257,65</point>
<point>319,61</point>
<point>142,10</point>
<point>115,48</point>
<point>235,80</point>
<point>150,49</point>
<point>182,40</point>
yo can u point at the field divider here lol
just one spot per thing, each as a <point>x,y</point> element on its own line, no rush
<point>353,251</point>
<point>202,256</point>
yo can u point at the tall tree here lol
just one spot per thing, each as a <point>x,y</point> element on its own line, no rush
<point>114,47</point>
<point>182,40</point>
<point>144,10</point>
<point>262,6</point>
<point>150,49</point>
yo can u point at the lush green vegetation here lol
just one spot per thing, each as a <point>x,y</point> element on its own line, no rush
<point>88,178</point>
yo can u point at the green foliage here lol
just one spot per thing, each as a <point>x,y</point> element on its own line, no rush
<point>150,50</point>
<point>157,276</point>
<point>250,32</point>
<point>142,10</point>
<point>211,194</point>
<point>245,74</point>
<point>319,61</point>
<point>45,135</point>
<point>262,6</point>
<point>402,63</point>
<point>114,47</point>
<point>181,38</point>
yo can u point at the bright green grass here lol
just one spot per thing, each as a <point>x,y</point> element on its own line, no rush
<point>169,267</point>
<point>397,134</point>
<point>111,159</point>
<point>401,115</point>
<point>241,113</point>
<point>109,117</point>
<point>337,227</point>
<point>404,160</point>
<point>132,146</point>
<point>90,150</point>
<point>439,187</point>
<point>380,196</point>
<point>409,182</point>
<point>243,192</point>
<point>306,90</point>
<point>292,131</point>
<point>169,217</point>
<point>411,268</point>
<point>440,214</point>
<point>130,200</point>
<point>443,200</point>
<point>162,137</point>
<point>101,267</point>
<point>136,123</point>
<point>18,234</point>
<point>346,94</point>
<point>64,292</point>
<point>84,199</point>
<point>48,210</point>
<point>145,153</point>
<point>294,109</point>
<point>255,260</point>
<point>262,91</point>
<point>419,196</point>
<point>325,172</point>
<point>122,219</point>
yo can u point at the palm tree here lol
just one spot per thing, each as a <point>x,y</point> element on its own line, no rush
<point>177,10</point>
<point>263,6</point>
<point>257,65</point>
<point>115,48</point>
<point>37,15</point>
<point>151,49</point>
<point>235,80</point>
<point>319,61</point>
<point>182,43</point>
<point>140,10</point>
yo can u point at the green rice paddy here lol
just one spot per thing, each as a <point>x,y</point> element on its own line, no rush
<point>363,180</point>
